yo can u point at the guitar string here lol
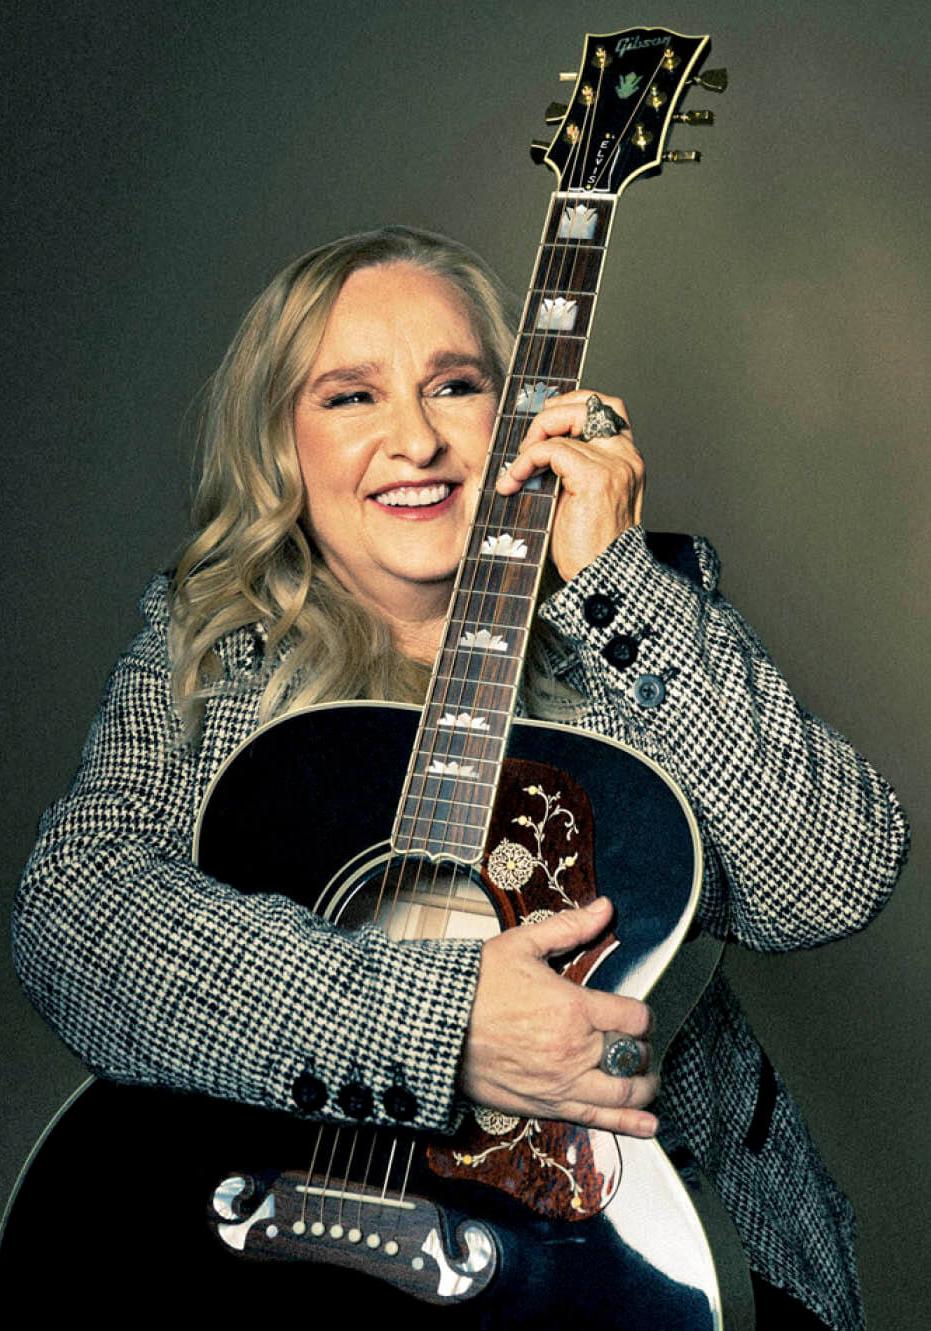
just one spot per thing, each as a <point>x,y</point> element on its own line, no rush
<point>308,1180</point>
<point>534,297</point>
<point>514,384</point>
<point>501,443</point>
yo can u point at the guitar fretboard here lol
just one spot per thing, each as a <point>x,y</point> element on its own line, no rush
<point>448,795</point>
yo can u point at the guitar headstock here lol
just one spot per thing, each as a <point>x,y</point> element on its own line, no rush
<point>626,98</point>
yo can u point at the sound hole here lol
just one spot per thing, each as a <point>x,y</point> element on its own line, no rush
<point>409,896</point>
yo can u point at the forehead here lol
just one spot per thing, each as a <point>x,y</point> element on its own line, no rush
<point>397,304</point>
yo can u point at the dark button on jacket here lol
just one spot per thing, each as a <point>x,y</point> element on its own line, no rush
<point>620,651</point>
<point>355,1100</point>
<point>599,609</point>
<point>309,1093</point>
<point>400,1103</point>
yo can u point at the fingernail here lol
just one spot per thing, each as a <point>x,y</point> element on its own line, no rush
<point>598,904</point>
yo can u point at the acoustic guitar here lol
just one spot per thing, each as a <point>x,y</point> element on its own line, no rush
<point>479,820</point>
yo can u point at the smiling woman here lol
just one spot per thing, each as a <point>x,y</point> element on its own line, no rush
<point>345,447</point>
<point>392,430</point>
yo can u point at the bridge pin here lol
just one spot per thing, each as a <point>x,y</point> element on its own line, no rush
<point>336,1231</point>
<point>354,1235</point>
<point>391,1248</point>
<point>318,1228</point>
<point>299,1227</point>
<point>373,1241</point>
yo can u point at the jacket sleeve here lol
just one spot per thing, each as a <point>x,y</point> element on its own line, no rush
<point>803,839</point>
<point>153,972</point>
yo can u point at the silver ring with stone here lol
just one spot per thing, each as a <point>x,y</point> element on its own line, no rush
<point>621,1055</point>
<point>601,421</point>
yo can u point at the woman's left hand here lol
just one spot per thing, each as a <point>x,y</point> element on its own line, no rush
<point>602,480</point>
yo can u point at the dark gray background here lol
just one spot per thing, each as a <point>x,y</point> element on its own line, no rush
<point>765,315</point>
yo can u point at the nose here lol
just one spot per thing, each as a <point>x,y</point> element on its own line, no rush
<point>413,434</point>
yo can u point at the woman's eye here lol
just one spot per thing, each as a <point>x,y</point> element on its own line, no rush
<point>349,399</point>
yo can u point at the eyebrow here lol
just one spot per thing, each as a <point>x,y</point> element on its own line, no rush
<point>443,360</point>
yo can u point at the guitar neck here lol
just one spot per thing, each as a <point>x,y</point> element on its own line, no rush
<point>450,788</point>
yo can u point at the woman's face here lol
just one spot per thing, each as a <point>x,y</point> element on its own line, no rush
<point>392,427</point>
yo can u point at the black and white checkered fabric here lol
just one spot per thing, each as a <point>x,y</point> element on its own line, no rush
<point>153,972</point>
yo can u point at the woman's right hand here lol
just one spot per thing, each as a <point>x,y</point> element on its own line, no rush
<point>535,1039</point>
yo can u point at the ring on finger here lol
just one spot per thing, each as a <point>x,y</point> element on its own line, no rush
<point>620,1055</point>
<point>601,421</point>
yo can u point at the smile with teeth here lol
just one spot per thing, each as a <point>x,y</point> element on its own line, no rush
<point>414,496</point>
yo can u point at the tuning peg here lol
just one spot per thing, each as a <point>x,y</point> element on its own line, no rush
<point>538,151</point>
<point>694,117</point>
<point>713,80</point>
<point>680,155</point>
<point>568,75</point>
<point>555,112</point>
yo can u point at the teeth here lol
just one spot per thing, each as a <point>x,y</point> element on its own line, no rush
<point>413,496</point>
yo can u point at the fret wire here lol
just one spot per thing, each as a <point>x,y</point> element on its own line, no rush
<point>449,707</point>
<point>425,756</point>
<point>458,800</point>
<point>451,822</point>
<point>468,781</point>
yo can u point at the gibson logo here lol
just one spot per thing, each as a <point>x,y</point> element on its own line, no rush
<point>626,44</point>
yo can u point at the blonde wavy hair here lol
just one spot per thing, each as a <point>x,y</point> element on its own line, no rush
<point>252,561</point>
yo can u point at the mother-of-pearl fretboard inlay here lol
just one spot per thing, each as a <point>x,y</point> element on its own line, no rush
<point>505,546</point>
<point>578,223</point>
<point>532,397</point>
<point>484,641</point>
<point>557,315</point>
<point>438,768</point>
<point>463,721</point>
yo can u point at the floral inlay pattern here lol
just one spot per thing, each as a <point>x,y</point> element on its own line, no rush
<point>526,1135</point>
<point>511,865</point>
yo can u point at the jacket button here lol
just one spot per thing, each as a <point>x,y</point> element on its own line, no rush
<point>309,1093</point>
<point>400,1103</point>
<point>649,691</point>
<point>621,651</point>
<point>355,1100</point>
<point>599,609</point>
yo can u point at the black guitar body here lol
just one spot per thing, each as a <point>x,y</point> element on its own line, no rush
<point>167,1204</point>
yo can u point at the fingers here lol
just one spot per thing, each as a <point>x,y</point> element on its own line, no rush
<point>567,929</point>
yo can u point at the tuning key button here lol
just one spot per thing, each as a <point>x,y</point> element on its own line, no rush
<point>694,117</point>
<point>538,151</point>
<point>555,112</point>
<point>680,155</point>
<point>714,80</point>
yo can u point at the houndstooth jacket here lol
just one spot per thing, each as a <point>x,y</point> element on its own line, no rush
<point>153,972</point>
